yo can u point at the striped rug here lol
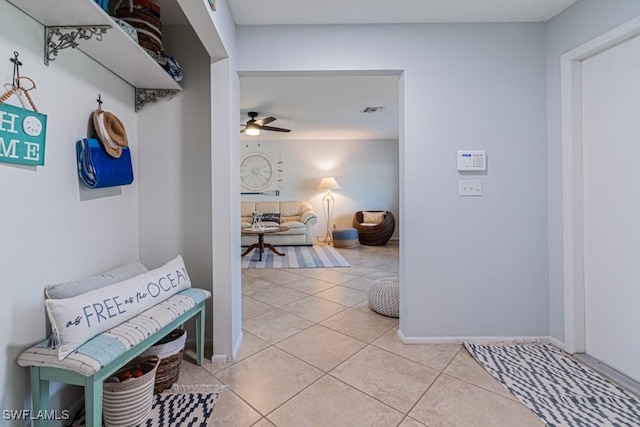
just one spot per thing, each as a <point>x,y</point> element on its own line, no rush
<point>558,389</point>
<point>296,257</point>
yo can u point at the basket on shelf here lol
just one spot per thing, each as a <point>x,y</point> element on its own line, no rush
<point>144,16</point>
<point>170,350</point>
<point>127,400</point>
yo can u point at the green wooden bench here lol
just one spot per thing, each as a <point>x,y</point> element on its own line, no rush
<point>88,366</point>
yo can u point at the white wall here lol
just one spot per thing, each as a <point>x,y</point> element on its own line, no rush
<point>53,229</point>
<point>367,171</point>
<point>578,24</point>
<point>471,266</point>
<point>175,169</point>
<point>217,32</point>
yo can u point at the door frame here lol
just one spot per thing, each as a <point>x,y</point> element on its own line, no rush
<point>572,181</point>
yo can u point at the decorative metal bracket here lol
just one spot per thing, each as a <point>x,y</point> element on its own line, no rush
<point>144,96</point>
<point>67,37</point>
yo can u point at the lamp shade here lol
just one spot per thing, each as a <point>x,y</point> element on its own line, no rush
<point>328,184</point>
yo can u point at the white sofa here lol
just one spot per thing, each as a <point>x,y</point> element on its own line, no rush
<point>298,217</point>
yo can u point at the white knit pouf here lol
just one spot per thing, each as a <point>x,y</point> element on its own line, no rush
<point>384,296</point>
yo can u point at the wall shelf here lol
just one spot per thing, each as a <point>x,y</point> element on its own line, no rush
<point>114,50</point>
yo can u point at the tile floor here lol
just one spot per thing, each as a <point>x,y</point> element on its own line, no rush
<point>313,354</point>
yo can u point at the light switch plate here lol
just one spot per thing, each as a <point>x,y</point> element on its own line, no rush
<point>470,187</point>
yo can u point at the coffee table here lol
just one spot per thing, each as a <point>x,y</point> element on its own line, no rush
<point>261,244</point>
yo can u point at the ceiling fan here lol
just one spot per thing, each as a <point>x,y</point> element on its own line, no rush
<point>254,126</point>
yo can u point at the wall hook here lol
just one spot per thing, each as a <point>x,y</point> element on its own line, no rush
<point>16,69</point>
<point>99,100</point>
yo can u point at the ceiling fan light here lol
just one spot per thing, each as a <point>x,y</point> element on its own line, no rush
<point>252,131</point>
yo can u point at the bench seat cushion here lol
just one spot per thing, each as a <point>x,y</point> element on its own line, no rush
<point>104,348</point>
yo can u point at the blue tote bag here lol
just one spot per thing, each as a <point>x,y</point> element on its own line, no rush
<point>97,169</point>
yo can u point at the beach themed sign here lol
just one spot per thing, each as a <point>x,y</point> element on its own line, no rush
<point>22,136</point>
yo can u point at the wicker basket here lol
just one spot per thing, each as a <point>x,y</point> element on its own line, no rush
<point>128,403</point>
<point>170,350</point>
<point>376,235</point>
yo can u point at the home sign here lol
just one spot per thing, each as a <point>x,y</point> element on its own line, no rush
<point>22,136</point>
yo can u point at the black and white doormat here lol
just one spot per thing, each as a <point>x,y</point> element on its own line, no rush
<point>180,406</point>
<point>559,390</point>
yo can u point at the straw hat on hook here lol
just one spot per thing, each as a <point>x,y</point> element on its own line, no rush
<point>110,132</point>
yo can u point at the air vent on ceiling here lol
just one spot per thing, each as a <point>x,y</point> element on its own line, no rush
<point>371,110</point>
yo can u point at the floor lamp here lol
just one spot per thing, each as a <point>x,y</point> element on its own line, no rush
<point>328,184</point>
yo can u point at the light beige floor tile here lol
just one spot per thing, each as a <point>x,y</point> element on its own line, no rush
<point>263,423</point>
<point>379,274</point>
<point>252,308</point>
<point>342,295</point>
<point>313,308</point>
<point>278,296</point>
<point>231,411</point>
<point>251,285</point>
<point>276,325</point>
<point>452,402</point>
<point>330,402</point>
<point>268,379</point>
<point>355,270</point>
<point>410,422</point>
<point>191,373</point>
<point>329,275</point>
<point>277,276</point>
<point>393,380</point>
<point>435,356</point>
<point>466,368</point>
<point>364,306</point>
<point>360,283</point>
<point>250,345</point>
<point>309,285</point>
<point>360,325</point>
<point>321,347</point>
<point>306,272</point>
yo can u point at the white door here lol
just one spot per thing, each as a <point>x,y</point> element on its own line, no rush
<point>611,143</point>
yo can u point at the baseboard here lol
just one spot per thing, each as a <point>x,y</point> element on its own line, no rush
<point>557,343</point>
<point>475,340</point>
<point>224,358</point>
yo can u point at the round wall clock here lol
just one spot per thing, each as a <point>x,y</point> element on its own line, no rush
<point>256,171</point>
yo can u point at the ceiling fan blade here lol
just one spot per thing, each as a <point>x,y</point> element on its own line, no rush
<point>274,129</point>
<point>242,131</point>
<point>265,121</point>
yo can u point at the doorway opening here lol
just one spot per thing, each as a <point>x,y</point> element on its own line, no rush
<point>331,136</point>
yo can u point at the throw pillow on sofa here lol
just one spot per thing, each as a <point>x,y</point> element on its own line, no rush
<point>271,217</point>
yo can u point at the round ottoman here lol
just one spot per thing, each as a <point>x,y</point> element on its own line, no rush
<point>384,296</point>
<point>345,238</point>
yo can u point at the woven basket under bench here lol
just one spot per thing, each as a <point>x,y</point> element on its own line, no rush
<point>170,350</point>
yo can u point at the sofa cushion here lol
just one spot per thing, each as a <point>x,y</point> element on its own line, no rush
<point>246,208</point>
<point>288,209</point>
<point>372,217</point>
<point>294,227</point>
<point>268,207</point>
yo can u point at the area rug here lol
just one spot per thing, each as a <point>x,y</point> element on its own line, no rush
<point>180,406</point>
<point>296,257</point>
<point>558,389</point>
